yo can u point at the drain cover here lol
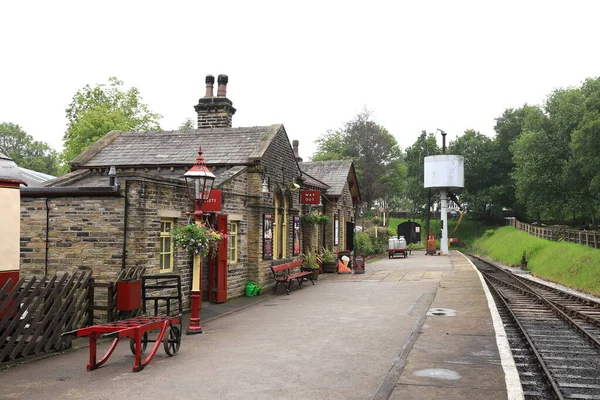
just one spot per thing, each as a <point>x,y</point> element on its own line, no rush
<point>438,373</point>
<point>442,312</point>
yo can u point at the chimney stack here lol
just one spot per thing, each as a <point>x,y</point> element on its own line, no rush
<point>210,81</point>
<point>215,112</point>
<point>222,91</point>
<point>295,147</point>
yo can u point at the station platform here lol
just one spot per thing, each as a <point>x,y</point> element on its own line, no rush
<point>420,327</point>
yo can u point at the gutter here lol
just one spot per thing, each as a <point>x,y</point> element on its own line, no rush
<point>70,191</point>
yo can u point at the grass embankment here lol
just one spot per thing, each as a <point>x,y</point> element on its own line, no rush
<point>569,264</point>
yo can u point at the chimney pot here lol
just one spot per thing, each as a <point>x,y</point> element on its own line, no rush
<point>222,90</point>
<point>210,81</point>
<point>112,176</point>
<point>295,144</point>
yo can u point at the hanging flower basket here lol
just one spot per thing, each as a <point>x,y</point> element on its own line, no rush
<point>310,219</point>
<point>323,219</point>
<point>197,239</point>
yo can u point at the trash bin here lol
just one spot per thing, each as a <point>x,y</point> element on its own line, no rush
<point>359,264</point>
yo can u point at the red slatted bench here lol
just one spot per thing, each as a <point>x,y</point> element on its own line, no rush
<point>284,273</point>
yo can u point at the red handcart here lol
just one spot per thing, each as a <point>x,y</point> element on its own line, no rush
<point>130,296</point>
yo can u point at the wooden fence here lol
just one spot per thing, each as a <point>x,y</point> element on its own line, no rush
<point>559,233</point>
<point>35,313</point>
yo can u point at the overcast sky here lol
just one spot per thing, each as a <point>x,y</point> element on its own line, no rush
<point>417,65</point>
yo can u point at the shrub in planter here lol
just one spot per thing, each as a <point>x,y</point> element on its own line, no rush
<point>328,260</point>
<point>310,261</point>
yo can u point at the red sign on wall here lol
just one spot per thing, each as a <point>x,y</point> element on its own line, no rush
<point>310,197</point>
<point>213,203</point>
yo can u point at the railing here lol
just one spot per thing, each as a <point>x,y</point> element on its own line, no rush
<point>557,234</point>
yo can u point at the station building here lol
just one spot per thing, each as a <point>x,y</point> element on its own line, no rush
<point>125,193</point>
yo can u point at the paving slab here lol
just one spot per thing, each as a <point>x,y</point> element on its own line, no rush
<point>347,337</point>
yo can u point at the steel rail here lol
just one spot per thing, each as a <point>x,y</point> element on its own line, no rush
<point>548,375</point>
<point>532,293</point>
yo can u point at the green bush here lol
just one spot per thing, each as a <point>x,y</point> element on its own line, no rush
<point>379,243</point>
<point>363,244</point>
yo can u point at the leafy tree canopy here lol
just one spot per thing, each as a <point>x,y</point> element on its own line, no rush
<point>187,125</point>
<point>27,152</point>
<point>95,111</point>
<point>373,150</point>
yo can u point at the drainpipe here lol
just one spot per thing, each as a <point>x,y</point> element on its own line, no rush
<point>125,215</point>
<point>47,234</point>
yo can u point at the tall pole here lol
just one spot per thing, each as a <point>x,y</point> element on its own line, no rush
<point>198,180</point>
<point>444,217</point>
<point>194,326</point>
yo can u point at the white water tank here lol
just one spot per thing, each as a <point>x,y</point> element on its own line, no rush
<point>445,172</point>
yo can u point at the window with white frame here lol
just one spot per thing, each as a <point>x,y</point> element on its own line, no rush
<point>166,245</point>
<point>232,242</point>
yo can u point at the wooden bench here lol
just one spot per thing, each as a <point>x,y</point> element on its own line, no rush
<point>284,273</point>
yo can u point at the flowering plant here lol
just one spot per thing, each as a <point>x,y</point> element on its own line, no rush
<point>197,239</point>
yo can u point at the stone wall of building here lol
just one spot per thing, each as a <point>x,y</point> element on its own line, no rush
<point>89,233</point>
<point>282,170</point>
<point>83,233</point>
<point>235,205</point>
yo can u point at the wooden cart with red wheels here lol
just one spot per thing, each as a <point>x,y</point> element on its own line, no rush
<point>158,289</point>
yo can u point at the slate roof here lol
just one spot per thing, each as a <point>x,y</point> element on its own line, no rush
<point>34,178</point>
<point>312,181</point>
<point>333,173</point>
<point>221,146</point>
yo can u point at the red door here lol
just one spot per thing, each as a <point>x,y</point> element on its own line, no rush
<point>217,267</point>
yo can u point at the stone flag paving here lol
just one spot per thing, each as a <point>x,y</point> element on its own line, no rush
<point>364,336</point>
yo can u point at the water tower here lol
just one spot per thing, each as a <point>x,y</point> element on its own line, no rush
<point>444,173</point>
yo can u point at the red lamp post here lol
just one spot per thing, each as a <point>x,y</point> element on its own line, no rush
<point>199,181</point>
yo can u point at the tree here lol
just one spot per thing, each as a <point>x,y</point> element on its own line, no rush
<point>585,145</point>
<point>480,176</point>
<point>27,152</point>
<point>508,128</point>
<point>373,150</point>
<point>188,124</point>
<point>95,111</point>
<point>414,157</point>
<point>331,146</point>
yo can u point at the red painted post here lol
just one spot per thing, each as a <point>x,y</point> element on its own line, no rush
<point>222,261</point>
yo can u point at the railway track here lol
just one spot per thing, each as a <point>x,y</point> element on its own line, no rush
<point>554,335</point>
